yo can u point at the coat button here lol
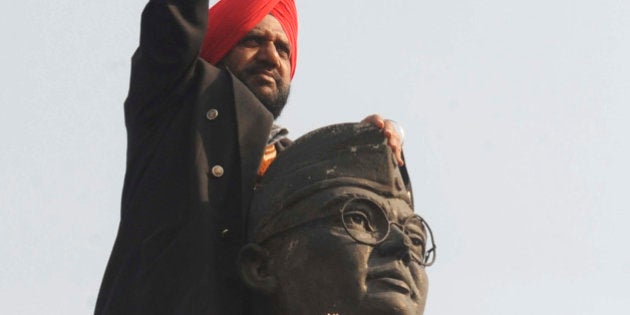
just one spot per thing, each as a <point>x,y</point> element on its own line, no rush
<point>217,171</point>
<point>225,233</point>
<point>212,114</point>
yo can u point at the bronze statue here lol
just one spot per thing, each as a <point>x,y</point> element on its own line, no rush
<point>331,230</point>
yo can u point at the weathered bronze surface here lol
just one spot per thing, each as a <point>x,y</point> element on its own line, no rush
<point>332,231</point>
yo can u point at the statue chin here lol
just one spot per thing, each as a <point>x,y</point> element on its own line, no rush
<point>390,302</point>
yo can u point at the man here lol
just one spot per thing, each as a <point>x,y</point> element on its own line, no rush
<point>196,139</point>
<point>332,230</point>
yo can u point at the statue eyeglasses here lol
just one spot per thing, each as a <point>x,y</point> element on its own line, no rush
<point>366,222</point>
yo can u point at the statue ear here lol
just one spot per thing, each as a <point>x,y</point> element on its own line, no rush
<point>253,262</point>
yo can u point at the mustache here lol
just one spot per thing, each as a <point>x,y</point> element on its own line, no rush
<point>262,69</point>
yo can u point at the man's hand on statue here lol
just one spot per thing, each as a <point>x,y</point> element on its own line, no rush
<point>392,131</point>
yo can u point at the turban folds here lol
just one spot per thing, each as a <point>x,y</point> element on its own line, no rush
<point>230,20</point>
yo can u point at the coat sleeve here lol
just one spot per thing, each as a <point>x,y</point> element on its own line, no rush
<point>171,35</point>
<point>158,204</point>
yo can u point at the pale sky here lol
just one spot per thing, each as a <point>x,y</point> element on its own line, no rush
<point>516,115</point>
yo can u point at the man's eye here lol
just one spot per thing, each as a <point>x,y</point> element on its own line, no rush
<point>359,221</point>
<point>250,42</point>
<point>283,51</point>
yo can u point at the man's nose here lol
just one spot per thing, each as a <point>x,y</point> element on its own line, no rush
<point>269,54</point>
<point>395,245</point>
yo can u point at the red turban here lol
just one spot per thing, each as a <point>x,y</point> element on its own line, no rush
<point>230,20</point>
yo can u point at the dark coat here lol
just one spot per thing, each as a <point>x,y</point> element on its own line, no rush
<point>195,140</point>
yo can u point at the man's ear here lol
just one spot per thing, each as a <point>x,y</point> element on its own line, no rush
<point>254,262</point>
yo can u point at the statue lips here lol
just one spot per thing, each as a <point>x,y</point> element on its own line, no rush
<point>391,278</point>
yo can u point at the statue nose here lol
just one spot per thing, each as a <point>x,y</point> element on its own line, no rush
<point>395,245</point>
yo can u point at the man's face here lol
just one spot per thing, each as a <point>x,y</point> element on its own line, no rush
<point>321,269</point>
<point>262,61</point>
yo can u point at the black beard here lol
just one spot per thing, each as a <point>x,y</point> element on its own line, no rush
<point>274,104</point>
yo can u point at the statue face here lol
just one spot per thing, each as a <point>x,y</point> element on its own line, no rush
<point>344,263</point>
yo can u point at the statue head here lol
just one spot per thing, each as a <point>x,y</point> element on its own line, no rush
<point>332,231</point>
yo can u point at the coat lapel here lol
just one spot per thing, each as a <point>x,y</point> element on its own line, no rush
<point>254,123</point>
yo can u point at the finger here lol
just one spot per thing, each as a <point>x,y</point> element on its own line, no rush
<point>392,132</point>
<point>389,126</point>
<point>396,127</point>
<point>396,145</point>
<point>375,120</point>
<point>395,139</point>
<point>399,159</point>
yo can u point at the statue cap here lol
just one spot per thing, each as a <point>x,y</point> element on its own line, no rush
<point>318,167</point>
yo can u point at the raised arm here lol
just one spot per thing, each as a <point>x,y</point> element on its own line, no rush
<point>171,34</point>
